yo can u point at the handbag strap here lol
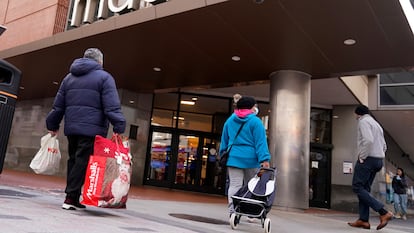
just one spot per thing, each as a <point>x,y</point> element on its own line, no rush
<point>237,134</point>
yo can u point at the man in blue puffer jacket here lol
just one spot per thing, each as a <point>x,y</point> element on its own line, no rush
<point>89,101</point>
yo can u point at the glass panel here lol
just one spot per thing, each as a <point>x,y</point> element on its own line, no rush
<point>162,117</point>
<point>187,156</point>
<point>400,95</point>
<point>160,156</point>
<point>264,110</point>
<point>203,104</point>
<point>320,130</point>
<point>166,101</point>
<point>319,173</point>
<point>392,78</point>
<point>212,177</point>
<point>195,121</point>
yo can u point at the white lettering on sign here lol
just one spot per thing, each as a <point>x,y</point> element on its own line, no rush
<point>93,180</point>
<point>84,10</point>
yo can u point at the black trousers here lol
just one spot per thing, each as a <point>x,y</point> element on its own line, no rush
<point>80,148</point>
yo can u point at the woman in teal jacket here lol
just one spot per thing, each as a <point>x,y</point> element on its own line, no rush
<point>249,149</point>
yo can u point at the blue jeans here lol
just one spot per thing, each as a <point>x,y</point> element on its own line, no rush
<point>364,175</point>
<point>400,203</point>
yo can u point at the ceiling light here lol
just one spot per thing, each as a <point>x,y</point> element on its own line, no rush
<point>179,118</point>
<point>349,41</point>
<point>158,69</point>
<point>187,102</point>
<point>56,83</point>
<point>408,8</point>
<point>194,98</point>
<point>235,58</point>
<point>131,101</point>
<point>21,88</point>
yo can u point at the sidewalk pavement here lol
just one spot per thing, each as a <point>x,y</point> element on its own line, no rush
<point>32,204</point>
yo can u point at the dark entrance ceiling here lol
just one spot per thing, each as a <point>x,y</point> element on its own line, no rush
<point>195,47</point>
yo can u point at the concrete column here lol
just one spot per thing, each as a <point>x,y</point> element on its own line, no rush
<point>289,137</point>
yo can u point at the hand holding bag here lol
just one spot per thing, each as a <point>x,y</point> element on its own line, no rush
<point>47,159</point>
<point>225,156</point>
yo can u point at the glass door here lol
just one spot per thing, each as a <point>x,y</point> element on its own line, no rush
<point>160,157</point>
<point>184,159</point>
<point>187,160</point>
<point>320,176</point>
<point>213,178</point>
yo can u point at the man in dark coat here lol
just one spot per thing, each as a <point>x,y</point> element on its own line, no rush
<point>89,101</point>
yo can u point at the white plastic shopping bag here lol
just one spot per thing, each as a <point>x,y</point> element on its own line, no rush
<point>47,159</point>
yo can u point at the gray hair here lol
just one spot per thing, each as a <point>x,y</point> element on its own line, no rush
<point>236,97</point>
<point>95,54</point>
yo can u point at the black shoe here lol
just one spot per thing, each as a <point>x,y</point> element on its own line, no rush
<point>79,205</point>
<point>70,204</point>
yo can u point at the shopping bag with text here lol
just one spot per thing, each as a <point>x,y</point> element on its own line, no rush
<point>47,159</point>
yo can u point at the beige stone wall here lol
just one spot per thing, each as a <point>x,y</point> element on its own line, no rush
<point>29,126</point>
<point>27,129</point>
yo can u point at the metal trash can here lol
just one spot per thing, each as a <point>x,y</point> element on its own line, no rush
<point>9,86</point>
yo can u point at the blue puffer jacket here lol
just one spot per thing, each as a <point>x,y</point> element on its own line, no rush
<point>89,100</point>
<point>250,147</point>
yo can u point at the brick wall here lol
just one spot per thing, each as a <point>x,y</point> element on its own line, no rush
<point>28,20</point>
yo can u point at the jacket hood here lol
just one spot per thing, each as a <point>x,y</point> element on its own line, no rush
<point>82,66</point>
<point>244,119</point>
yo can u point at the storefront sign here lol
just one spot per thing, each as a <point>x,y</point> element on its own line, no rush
<point>84,11</point>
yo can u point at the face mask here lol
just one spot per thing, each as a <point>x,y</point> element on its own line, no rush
<point>256,110</point>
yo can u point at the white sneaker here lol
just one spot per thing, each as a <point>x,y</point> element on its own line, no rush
<point>66,206</point>
<point>404,217</point>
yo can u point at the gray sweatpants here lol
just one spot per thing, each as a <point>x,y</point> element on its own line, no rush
<point>238,177</point>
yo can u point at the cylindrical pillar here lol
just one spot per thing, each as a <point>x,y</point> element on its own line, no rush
<point>289,137</point>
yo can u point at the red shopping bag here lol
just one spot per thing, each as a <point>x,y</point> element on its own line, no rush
<point>112,147</point>
<point>108,175</point>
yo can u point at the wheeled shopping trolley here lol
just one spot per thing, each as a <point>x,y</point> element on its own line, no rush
<point>255,199</point>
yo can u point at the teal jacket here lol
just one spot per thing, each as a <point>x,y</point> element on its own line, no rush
<point>250,147</point>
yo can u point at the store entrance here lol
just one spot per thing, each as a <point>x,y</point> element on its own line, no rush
<point>184,159</point>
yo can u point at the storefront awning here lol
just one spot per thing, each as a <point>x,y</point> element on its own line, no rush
<point>193,43</point>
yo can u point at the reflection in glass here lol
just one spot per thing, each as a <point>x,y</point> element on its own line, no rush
<point>320,126</point>
<point>194,121</point>
<point>397,95</point>
<point>397,88</point>
<point>187,160</point>
<point>204,104</point>
<point>264,110</point>
<point>166,101</point>
<point>213,177</point>
<point>394,78</point>
<point>161,117</point>
<point>160,156</point>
